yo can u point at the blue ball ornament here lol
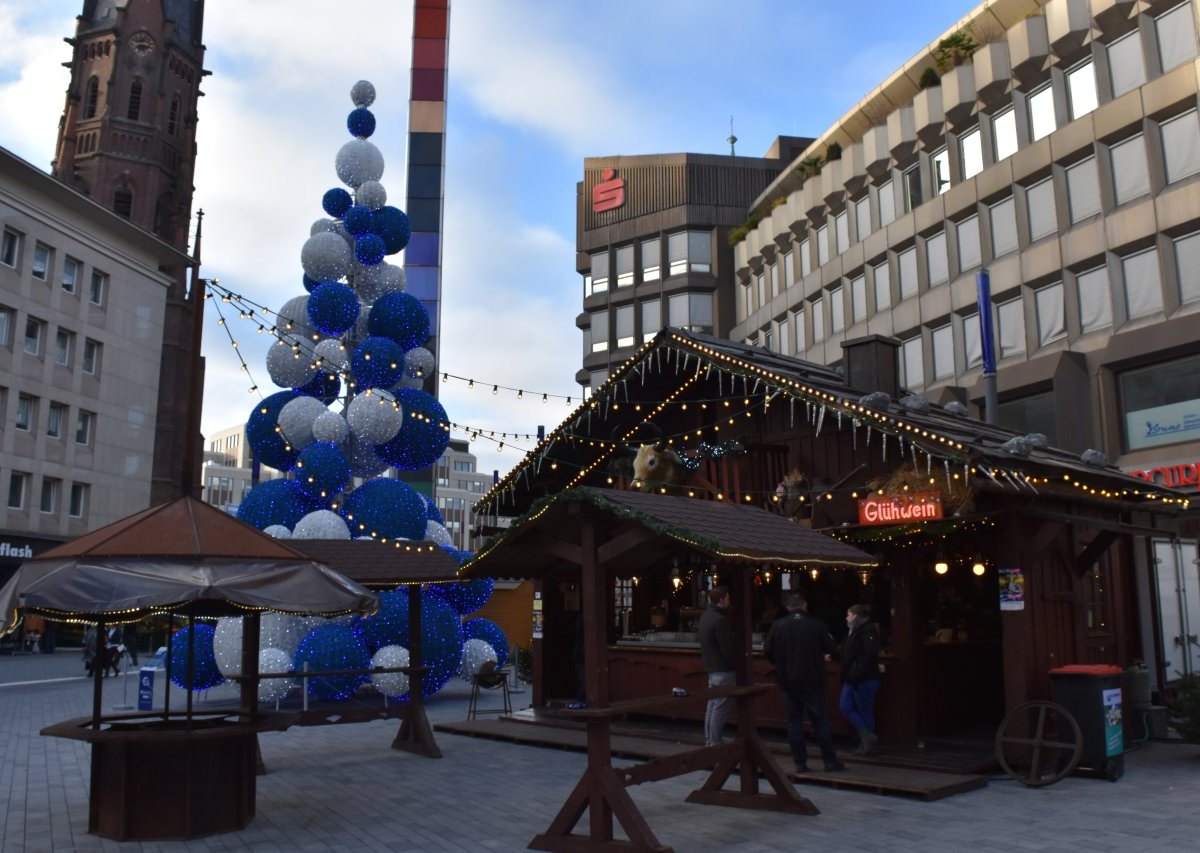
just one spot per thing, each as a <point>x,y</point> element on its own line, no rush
<point>333,308</point>
<point>422,439</point>
<point>387,626</point>
<point>441,635</point>
<point>369,249</point>
<point>491,633</point>
<point>326,387</point>
<point>336,201</point>
<point>400,317</point>
<point>467,596</point>
<point>385,509</point>
<point>310,283</point>
<point>203,672</point>
<point>432,513</point>
<point>270,448</point>
<point>322,470</point>
<point>358,220</point>
<point>276,502</point>
<point>458,556</point>
<point>360,123</point>
<point>377,363</point>
<point>332,647</point>
<point>391,223</point>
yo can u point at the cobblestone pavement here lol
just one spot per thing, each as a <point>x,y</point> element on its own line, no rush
<point>343,788</point>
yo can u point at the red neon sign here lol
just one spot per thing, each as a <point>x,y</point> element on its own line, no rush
<point>609,194</point>
<point>923,506</point>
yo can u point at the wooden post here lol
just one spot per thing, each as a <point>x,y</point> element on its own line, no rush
<point>416,735</point>
<point>537,650</point>
<point>249,685</point>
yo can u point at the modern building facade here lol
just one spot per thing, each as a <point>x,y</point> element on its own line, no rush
<point>457,488</point>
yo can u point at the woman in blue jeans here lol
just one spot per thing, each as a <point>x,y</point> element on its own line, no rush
<point>860,675</point>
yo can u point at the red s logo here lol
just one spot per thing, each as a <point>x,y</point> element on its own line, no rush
<point>608,194</point>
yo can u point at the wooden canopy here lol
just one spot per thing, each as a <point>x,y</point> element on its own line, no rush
<point>381,565</point>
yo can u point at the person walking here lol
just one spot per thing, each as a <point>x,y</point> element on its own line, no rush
<point>716,650</point>
<point>799,646</point>
<point>129,635</point>
<point>860,675</point>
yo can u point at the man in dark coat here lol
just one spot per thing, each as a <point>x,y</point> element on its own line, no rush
<point>716,650</point>
<point>860,675</point>
<point>799,646</point>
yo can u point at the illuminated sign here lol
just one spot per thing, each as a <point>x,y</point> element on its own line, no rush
<point>923,506</point>
<point>609,194</point>
<point>1172,476</point>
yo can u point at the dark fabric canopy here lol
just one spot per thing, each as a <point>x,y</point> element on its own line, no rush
<point>183,553</point>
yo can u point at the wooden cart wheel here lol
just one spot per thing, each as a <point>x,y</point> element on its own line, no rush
<point>1046,736</point>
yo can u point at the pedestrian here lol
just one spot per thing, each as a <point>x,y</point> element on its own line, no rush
<point>113,652</point>
<point>89,649</point>
<point>716,650</point>
<point>860,675</point>
<point>799,646</point>
<point>130,638</point>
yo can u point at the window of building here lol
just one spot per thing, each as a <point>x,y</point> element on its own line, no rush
<point>747,296</point>
<point>6,326</point>
<point>1161,404</point>
<point>1051,324</point>
<point>624,266</point>
<point>692,311</point>
<point>1081,89</point>
<point>768,339</point>
<point>91,356</point>
<point>1187,265</point>
<point>651,259</point>
<point>935,257</point>
<point>135,100</point>
<point>18,485</point>
<point>789,269</point>
<point>1095,303</point>
<point>41,262</point>
<point>858,298</point>
<point>79,500</point>
<point>599,272</point>
<point>50,488</point>
<point>33,335</point>
<point>862,217</point>
<point>805,258</point>
<point>1034,413</point>
<point>72,269</point>
<point>10,249</point>
<point>782,335</point>
<point>760,289</point>
<point>822,245</point>
<point>1143,293</point>
<point>588,288</point>
<point>64,345</point>
<point>26,409</point>
<point>123,202</point>
<point>939,168</point>
<point>1010,327</point>
<point>883,286</point>
<point>887,203</point>
<point>837,310</point>
<point>173,118</point>
<point>801,340</point>
<point>773,278</point>
<point>841,224</point>
<point>912,363</point>
<point>1003,216</point>
<point>1181,154</point>
<point>689,250</point>
<point>1176,32</point>
<point>91,97</point>
<point>1131,177</point>
<point>970,145</point>
<point>969,251</point>
<point>651,319</point>
<point>913,196</point>
<point>1043,218</point>
<point>84,424</point>
<point>1126,68</point>
<point>1041,112</point>
<point>1004,133</point>
<point>972,340</point>
<point>817,308</point>
<point>942,339</point>
<point>600,331</point>
<point>624,326</point>
<point>1083,190</point>
<point>907,263</point>
<point>98,288</point>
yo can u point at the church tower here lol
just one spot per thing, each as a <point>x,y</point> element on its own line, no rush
<point>127,137</point>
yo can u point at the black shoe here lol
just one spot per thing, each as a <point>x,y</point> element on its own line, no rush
<point>803,768</point>
<point>834,766</point>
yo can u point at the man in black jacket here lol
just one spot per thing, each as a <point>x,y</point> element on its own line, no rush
<point>799,646</point>
<point>716,650</point>
<point>860,675</point>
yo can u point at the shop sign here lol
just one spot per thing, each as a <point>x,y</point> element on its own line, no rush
<point>1168,424</point>
<point>609,194</point>
<point>900,509</point>
<point>1172,476</point>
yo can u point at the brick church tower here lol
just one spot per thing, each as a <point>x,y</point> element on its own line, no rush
<point>127,139</point>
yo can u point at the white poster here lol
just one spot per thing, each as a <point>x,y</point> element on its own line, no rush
<point>1163,424</point>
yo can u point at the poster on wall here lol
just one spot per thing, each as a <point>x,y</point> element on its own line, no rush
<point>1114,735</point>
<point>538,616</point>
<point>1012,589</point>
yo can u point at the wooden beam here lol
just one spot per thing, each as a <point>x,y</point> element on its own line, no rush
<point>623,543</point>
<point>1095,549</point>
<point>1047,534</point>
<point>568,551</point>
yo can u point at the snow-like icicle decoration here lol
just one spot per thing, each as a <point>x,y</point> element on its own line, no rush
<point>820,420</point>
<point>883,441</point>
<point>791,412</point>
<point>948,484</point>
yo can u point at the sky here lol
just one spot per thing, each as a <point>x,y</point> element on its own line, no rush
<point>535,86</point>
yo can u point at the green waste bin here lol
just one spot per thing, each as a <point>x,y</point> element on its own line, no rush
<point>1092,695</point>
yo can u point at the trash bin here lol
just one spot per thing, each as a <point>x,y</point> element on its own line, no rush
<point>1092,695</point>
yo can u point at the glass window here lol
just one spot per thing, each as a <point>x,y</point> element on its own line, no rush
<point>1083,190</point>
<point>1131,178</point>
<point>841,224</point>
<point>907,262</point>
<point>912,188</point>
<point>768,339</point>
<point>677,248</point>
<point>16,490</point>
<point>1041,112</point>
<point>599,272</point>
<point>691,311</point>
<point>1010,327</point>
<point>1081,89</point>
<point>1043,218</point>
<point>1143,293</point>
<point>49,502</point>
<point>747,295</point>
<point>862,217</point>
<point>818,320</point>
<point>651,319</point>
<point>1004,132</point>
<point>837,310</point>
<point>1050,322</point>
<point>1095,305</point>
<point>1004,227</point>
<point>1161,404</point>
<point>33,336</point>
<point>942,339</point>
<point>41,261</point>
<point>1187,264</point>
<point>858,298</point>
<point>883,286</point>
<point>10,249</point>
<point>935,257</point>
<point>6,325</point>
<point>1034,413</point>
<point>98,288</point>
<point>600,331</point>
<point>1126,68</point>
<point>700,251</point>
<point>651,259</point>
<point>79,500</point>
<point>822,245</point>
<point>912,363</point>
<point>972,340</point>
<point>71,274</point>
<point>63,345</point>
<point>887,203</point>
<point>1180,151</point>
<point>968,243</point>
<point>939,166</point>
<point>760,289</point>
<point>971,146</point>
<point>798,330</point>
<point>1176,31</point>
<point>588,290</point>
<point>773,275</point>
<point>91,356</point>
<point>624,266</point>
<point>805,258</point>
<point>624,325</point>
<point>25,412</point>
<point>789,269</point>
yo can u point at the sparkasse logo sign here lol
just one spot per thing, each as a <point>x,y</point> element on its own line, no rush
<point>609,194</point>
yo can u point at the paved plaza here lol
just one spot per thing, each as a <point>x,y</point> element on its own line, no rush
<point>343,788</point>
